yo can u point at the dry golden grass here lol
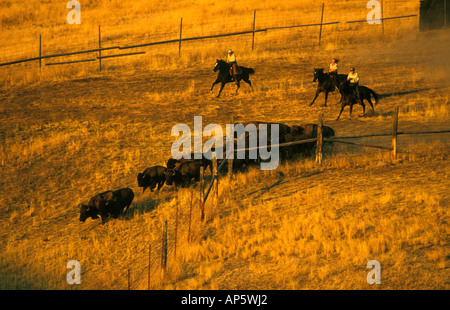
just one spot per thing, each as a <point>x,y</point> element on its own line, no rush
<point>70,132</point>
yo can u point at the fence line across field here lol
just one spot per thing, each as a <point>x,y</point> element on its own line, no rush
<point>70,62</point>
<point>180,39</point>
<point>163,249</point>
<point>379,19</point>
<point>319,140</point>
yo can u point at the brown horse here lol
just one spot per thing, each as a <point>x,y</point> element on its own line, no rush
<point>225,77</point>
<point>326,84</point>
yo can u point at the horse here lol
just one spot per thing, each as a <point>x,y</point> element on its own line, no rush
<point>326,84</point>
<point>349,98</point>
<point>225,77</point>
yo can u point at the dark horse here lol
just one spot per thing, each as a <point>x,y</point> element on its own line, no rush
<point>326,84</point>
<point>349,97</point>
<point>224,75</point>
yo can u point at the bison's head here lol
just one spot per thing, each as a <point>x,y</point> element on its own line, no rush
<point>140,179</point>
<point>169,173</point>
<point>87,211</point>
<point>171,163</point>
<point>172,176</point>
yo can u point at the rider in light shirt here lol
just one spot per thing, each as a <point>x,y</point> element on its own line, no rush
<point>333,71</point>
<point>231,59</point>
<point>353,78</point>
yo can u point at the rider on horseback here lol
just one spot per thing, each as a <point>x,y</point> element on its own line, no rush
<point>231,59</point>
<point>353,78</point>
<point>333,72</point>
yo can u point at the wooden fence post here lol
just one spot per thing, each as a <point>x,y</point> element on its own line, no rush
<point>382,16</point>
<point>254,25</point>
<point>181,31</point>
<point>321,22</point>
<point>100,46</point>
<point>230,161</point>
<point>176,233</point>
<point>202,194</point>
<point>149,263</point>
<point>215,174</point>
<point>164,247</point>
<point>394,134</point>
<point>445,14</point>
<point>40,51</point>
<point>319,152</point>
<point>129,279</point>
<point>216,177</point>
<point>190,216</point>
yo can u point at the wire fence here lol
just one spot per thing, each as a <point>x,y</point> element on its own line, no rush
<point>315,23</point>
<point>183,228</point>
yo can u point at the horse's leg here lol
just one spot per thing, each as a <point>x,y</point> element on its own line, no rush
<point>315,97</point>
<point>248,82</point>
<point>221,87</point>
<point>351,108</point>
<point>326,98</point>
<point>342,109</point>
<point>215,82</point>
<point>370,102</point>
<point>238,84</point>
<point>364,108</point>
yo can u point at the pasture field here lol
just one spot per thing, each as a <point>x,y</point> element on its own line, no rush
<point>69,132</point>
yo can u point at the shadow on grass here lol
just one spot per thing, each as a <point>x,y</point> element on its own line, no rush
<point>403,93</point>
<point>142,207</point>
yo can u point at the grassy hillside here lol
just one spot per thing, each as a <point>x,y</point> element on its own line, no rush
<point>69,132</point>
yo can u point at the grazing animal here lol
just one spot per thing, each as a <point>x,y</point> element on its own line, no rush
<point>240,163</point>
<point>304,132</point>
<point>183,173</point>
<point>325,83</point>
<point>225,77</point>
<point>171,162</point>
<point>107,203</point>
<point>349,98</point>
<point>151,177</point>
<point>117,203</point>
<point>91,209</point>
<point>283,129</point>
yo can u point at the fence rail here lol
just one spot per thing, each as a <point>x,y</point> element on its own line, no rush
<point>179,229</point>
<point>379,19</point>
<point>180,39</point>
<point>70,62</point>
<point>319,141</point>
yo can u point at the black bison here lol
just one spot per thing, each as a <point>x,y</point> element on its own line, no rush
<point>151,177</point>
<point>250,158</point>
<point>304,132</point>
<point>283,129</point>
<point>183,172</point>
<point>108,203</point>
<point>172,162</point>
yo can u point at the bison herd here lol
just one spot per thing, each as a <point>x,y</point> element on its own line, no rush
<point>181,172</point>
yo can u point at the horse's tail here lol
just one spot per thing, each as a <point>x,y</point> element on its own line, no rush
<point>250,71</point>
<point>375,95</point>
